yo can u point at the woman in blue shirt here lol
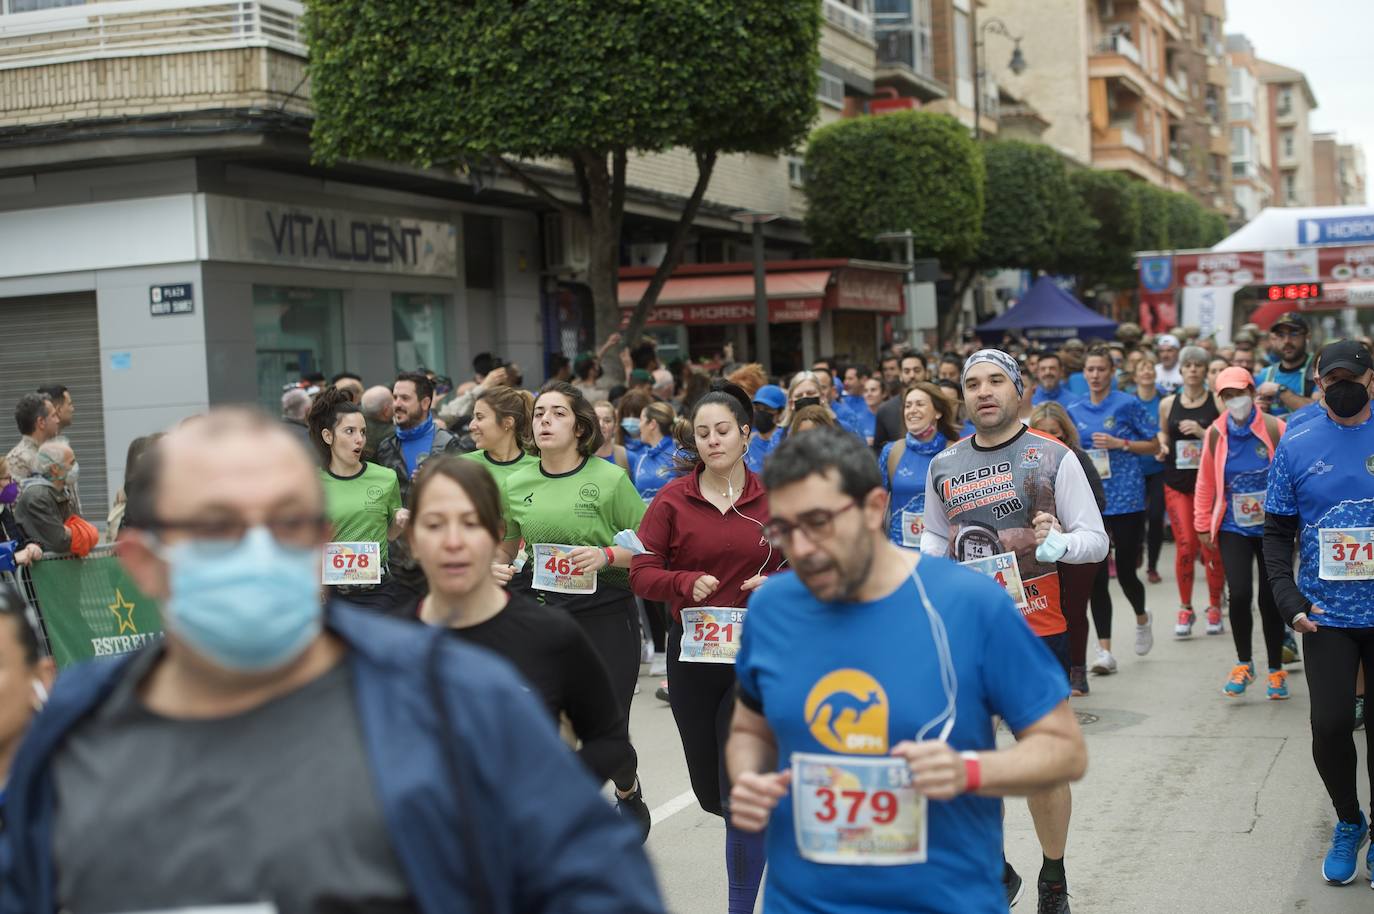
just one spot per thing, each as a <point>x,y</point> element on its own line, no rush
<point>1116,430</point>
<point>656,462</point>
<point>1153,470</point>
<point>931,427</point>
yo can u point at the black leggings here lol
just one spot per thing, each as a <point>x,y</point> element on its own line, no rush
<point>1238,555</point>
<point>703,699</point>
<point>1154,515</point>
<point>1126,531</point>
<point>614,631</point>
<point>1332,657</point>
<point>657,614</point>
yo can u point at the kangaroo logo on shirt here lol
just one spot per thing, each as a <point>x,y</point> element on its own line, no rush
<point>847,711</point>
<point>1369,464</point>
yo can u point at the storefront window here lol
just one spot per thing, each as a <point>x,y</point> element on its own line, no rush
<point>297,331</point>
<point>418,326</point>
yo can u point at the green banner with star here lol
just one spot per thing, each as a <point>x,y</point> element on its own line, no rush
<point>91,608</point>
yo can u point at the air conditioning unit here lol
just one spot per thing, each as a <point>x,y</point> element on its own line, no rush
<point>565,246</point>
<point>1106,9</point>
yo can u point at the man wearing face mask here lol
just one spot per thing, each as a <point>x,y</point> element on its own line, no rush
<point>336,760</point>
<point>1318,494</point>
<point>44,506</point>
<point>768,403</point>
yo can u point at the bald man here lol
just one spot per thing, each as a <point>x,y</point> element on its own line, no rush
<point>377,404</point>
<point>372,737</point>
<point>44,502</point>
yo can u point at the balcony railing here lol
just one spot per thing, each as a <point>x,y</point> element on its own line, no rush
<point>1172,86</point>
<point>1124,134</point>
<point>131,28</point>
<point>901,45</point>
<point>848,18</point>
<point>1175,9</point>
<point>1242,111</point>
<point>1177,168</point>
<point>1119,44</point>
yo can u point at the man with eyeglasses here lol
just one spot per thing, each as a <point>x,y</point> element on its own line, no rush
<point>1011,502</point>
<point>868,679</point>
<point>1286,386</point>
<point>271,751</point>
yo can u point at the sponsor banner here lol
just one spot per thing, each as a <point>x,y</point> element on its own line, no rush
<point>866,290</point>
<point>1210,309</point>
<point>91,608</point>
<point>780,311</point>
<point>1157,273</point>
<point>1339,230</point>
<point>1196,271</point>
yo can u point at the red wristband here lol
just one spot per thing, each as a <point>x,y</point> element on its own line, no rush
<point>973,772</point>
<point>610,555</point>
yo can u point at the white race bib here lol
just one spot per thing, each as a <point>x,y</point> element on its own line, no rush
<point>1248,508</point>
<point>554,571</point>
<point>1347,554</point>
<point>711,634</point>
<point>1005,570</point>
<point>857,811</point>
<point>351,564</point>
<point>1187,454</point>
<point>913,525</point>
<point>1102,462</point>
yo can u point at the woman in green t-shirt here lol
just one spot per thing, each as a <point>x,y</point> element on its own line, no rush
<point>501,430</point>
<point>569,507</point>
<point>363,501</point>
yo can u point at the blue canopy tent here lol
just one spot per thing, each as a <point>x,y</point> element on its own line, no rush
<point>1047,312</point>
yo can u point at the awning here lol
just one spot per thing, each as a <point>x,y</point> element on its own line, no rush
<point>700,294</point>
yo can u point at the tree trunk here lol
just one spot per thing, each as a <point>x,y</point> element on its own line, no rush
<point>949,321</point>
<point>603,245</point>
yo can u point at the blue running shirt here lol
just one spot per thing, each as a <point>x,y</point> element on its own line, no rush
<point>1121,416</point>
<point>1247,472</point>
<point>908,489</point>
<point>1323,472</point>
<point>868,675</point>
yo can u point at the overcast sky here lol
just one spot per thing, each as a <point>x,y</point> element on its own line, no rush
<point>1329,41</point>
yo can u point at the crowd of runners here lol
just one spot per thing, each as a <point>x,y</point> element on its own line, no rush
<point>847,579</point>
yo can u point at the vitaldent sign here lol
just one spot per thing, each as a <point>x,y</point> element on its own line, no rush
<point>255,231</point>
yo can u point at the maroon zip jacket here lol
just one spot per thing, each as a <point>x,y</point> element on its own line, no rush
<point>687,537</point>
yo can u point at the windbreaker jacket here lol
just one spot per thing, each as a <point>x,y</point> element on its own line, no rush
<point>548,841</point>
<point>1209,494</point>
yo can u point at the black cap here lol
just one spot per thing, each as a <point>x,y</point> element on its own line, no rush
<point>1351,355</point>
<point>1291,319</point>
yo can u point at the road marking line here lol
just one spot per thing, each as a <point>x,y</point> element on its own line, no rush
<point>674,806</point>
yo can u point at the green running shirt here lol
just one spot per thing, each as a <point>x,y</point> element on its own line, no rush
<point>501,472</point>
<point>362,507</point>
<point>585,507</point>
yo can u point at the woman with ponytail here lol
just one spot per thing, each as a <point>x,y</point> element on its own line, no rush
<point>501,429</point>
<point>363,501</point>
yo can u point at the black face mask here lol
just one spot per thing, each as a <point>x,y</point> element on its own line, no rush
<point>803,402</point>
<point>1346,398</point>
<point>764,422</point>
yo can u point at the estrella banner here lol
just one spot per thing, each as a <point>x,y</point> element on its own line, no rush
<point>91,608</point>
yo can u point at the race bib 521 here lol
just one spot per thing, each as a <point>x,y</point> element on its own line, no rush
<point>711,634</point>
<point>857,811</point>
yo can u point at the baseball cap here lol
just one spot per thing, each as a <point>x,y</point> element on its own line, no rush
<point>1348,354</point>
<point>1167,339</point>
<point>771,396</point>
<point>640,376</point>
<point>1234,378</point>
<point>1290,319</point>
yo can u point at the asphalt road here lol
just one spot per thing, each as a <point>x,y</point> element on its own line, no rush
<point>1192,802</point>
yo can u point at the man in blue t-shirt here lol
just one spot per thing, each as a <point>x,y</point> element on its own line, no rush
<point>1287,384</point>
<point>1050,385</point>
<point>863,731</point>
<point>1321,493</point>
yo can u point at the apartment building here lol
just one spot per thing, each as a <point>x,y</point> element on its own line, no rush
<point>928,52</point>
<point>1290,103</point>
<point>1338,172</point>
<point>1201,140</point>
<point>1252,164</point>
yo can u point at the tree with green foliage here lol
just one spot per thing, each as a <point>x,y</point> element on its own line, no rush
<point>1028,201</point>
<point>1154,218</point>
<point>507,82</point>
<point>1104,235</point>
<point>911,170</point>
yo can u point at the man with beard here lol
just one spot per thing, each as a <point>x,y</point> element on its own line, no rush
<point>1287,384</point>
<point>875,718</point>
<point>1011,502</point>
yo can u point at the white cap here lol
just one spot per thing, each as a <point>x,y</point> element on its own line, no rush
<point>1167,339</point>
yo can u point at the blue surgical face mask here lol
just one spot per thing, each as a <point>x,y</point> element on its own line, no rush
<point>631,427</point>
<point>251,607</point>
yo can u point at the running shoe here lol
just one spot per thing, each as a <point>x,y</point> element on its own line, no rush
<point>1078,681</point>
<point>1054,898</point>
<point>658,665</point>
<point>1290,647</point>
<point>1214,624</point>
<point>1105,664</point>
<point>1153,576</point>
<point>661,693</point>
<point>1242,674</point>
<point>1184,627</point>
<point>1341,861</point>
<point>1013,883</point>
<point>1359,712</point>
<point>1278,686</point>
<point>635,811</point>
<point>1145,635</point>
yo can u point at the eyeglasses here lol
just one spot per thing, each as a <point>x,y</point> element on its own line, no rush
<point>300,530</point>
<point>817,525</point>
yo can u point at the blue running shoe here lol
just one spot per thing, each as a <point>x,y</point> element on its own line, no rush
<point>1242,674</point>
<point>1341,861</point>
<point>1278,686</point>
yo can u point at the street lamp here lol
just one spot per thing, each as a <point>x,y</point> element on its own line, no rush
<point>763,351</point>
<point>1017,65</point>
